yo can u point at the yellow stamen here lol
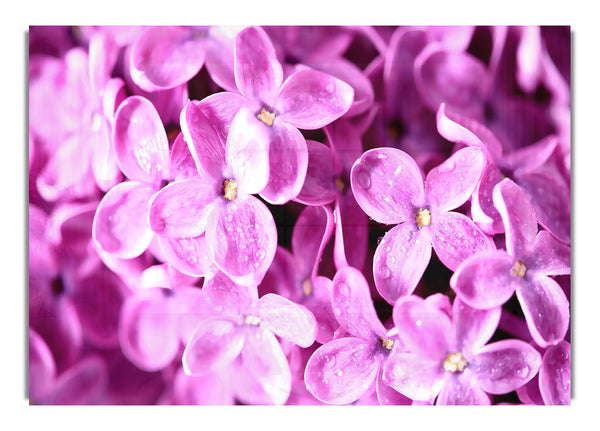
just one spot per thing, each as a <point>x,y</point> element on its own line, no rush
<point>229,189</point>
<point>252,320</point>
<point>266,117</point>
<point>96,122</point>
<point>518,269</point>
<point>388,343</point>
<point>307,287</point>
<point>455,363</point>
<point>340,184</point>
<point>423,218</point>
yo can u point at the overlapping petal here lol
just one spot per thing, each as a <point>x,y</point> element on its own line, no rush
<point>414,376</point>
<point>473,327</point>
<point>549,256</point>
<point>319,187</point>
<point>287,319</point>
<point>189,255</point>
<point>555,375</point>
<point>462,389</point>
<point>310,235</point>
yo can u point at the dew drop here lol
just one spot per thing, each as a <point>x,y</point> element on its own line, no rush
<point>339,373</point>
<point>344,289</point>
<point>384,272</point>
<point>364,179</point>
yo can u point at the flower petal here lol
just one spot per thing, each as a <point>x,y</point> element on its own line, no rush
<point>287,319</point>
<point>165,57</point>
<point>549,256</point>
<point>310,235</point>
<point>353,306</point>
<point>258,74</point>
<point>42,369</point>
<point>181,209</point>
<point>483,211</point>
<point>242,239</point>
<point>310,99</point>
<point>452,183</point>
<point>546,310</point>
<point>247,152</point>
<point>188,255</point>
<point>518,215</point>
<point>140,141</point>
<point>414,376</point>
<point>220,47</point>
<point>342,370</point>
<point>288,162</point>
<point>484,280</point>
<point>352,233</point>
<point>319,304</point>
<point>462,389</point>
<point>400,260</point>
<point>532,156</point>
<point>263,358</point>
<point>322,171</point>
<point>424,329</point>
<point>473,328</point>
<point>215,344</point>
<point>503,366</point>
<point>388,396</point>
<point>455,238</point>
<point>555,375</point>
<point>387,184</point>
<point>220,109</point>
<point>182,165</point>
<point>121,222</point>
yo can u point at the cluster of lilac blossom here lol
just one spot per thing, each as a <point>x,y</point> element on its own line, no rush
<point>299,215</point>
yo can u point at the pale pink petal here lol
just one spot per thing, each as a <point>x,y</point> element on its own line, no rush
<point>452,183</point>
<point>400,260</point>
<point>140,140</point>
<point>165,57</point>
<point>345,139</point>
<point>310,99</point>
<point>484,280</point>
<point>228,297</point>
<point>189,255</point>
<point>247,152</point>
<point>342,370</point>
<point>181,209</point>
<point>320,184</point>
<point>121,222</point>
<point>387,184</point>
<point>182,165</point>
<point>114,94</point>
<point>104,158</point>
<point>549,256</point>
<point>207,389</point>
<point>388,396</point>
<point>530,157</point>
<point>555,375</point>
<point>265,361</point>
<point>462,389</point>
<point>288,162</point>
<point>456,237</point>
<point>483,211</point>
<point>503,366</point>
<point>319,303</point>
<point>258,74</point>
<point>353,306</point>
<point>103,52</point>
<point>148,331</point>
<point>529,58</point>
<point>418,378</point>
<point>518,215</point>
<point>214,345</point>
<point>287,319</point>
<point>220,108</point>
<point>473,328</point>
<point>352,232</point>
<point>310,235</point>
<point>546,310</point>
<point>220,47</point>
<point>42,369</point>
<point>165,275</point>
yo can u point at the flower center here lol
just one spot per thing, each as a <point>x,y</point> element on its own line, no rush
<point>307,287</point>
<point>252,320</point>
<point>266,117</point>
<point>229,189</point>
<point>455,363</point>
<point>341,185</point>
<point>388,343</point>
<point>423,218</point>
<point>518,269</point>
<point>96,122</point>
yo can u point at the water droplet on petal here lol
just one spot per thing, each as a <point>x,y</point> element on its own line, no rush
<point>384,272</point>
<point>364,179</point>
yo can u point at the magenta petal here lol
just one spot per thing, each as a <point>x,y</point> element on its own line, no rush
<point>388,396</point>
<point>220,47</point>
<point>247,152</point>
<point>182,165</point>
<point>353,306</point>
<point>188,255</point>
<point>103,52</point>
<point>288,162</point>
<point>242,239</point>
<point>320,305</point>
<point>214,345</point>
<point>121,222</point>
<point>310,99</point>
<point>352,232</point>
<point>287,319</point>
<point>503,366</point>
<point>42,369</point>
<point>342,370</point>
<point>165,57</point>
<point>228,297</point>
<point>462,389</point>
<point>387,184</point>
<point>532,156</point>
<point>473,328</point>
<point>484,280</point>
<point>452,183</point>
<point>546,310</point>
<point>422,328</point>
<point>182,208</point>
<point>263,358</point>
<point>205,142</point>
<point>140,140</point>
<point>148,331</point>
<point>483,211</point>
<point>400,260</point>
<point>549,256</point>
<point>555,375</point>
<point>455,238</point>
<point>258,74</point>
<point>220,109</point>
<point>310,235</point>
<point>518,216</point>
<point>320,184</point>
<point>418,378</point>
<point>207,389</point>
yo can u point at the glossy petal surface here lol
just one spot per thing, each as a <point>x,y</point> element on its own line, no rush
<point>462,390</point>
<point>555,375</point>
<point>416,377</point>
<point>287,319</point>
<point>189,255</point>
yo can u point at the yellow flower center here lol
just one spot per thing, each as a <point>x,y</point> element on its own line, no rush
<point>388,343</point>
<point>518,269</point>
<point>307,287</point>
<point>340,184</point>
<point>266,117</point>
<point>423,218</point>
<point>229,189</point>
<point>252,320</point>
<point>455,363</point>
